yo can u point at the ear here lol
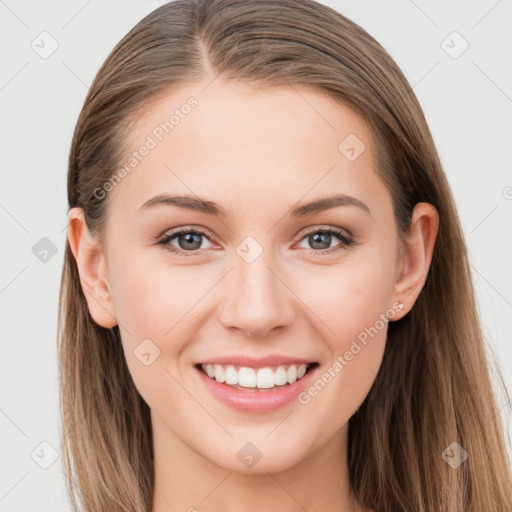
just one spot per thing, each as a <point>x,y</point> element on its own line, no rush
<point>92,269</point>
<point>415,256</point>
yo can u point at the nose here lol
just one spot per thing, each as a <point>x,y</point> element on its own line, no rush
<point>257,300</point>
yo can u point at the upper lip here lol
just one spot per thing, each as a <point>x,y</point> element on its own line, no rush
<point>257,362</point>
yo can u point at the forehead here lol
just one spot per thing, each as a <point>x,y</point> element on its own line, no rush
<point>240,144</point>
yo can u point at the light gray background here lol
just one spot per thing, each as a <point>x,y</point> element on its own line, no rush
<point>467,101</point>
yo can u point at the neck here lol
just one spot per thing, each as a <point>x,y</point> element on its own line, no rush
<point>187,481</point>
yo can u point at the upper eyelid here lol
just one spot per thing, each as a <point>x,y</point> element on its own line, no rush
<point>187,229</point>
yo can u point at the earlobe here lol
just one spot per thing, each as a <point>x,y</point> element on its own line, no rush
<point>415,256</point>
<point>92,269</point>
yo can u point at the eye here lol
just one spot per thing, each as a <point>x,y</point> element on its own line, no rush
<point>320,240</point>
<point>188,241</point>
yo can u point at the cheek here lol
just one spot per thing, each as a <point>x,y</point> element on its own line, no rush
<point>350,303</point>
<point>350,297</point>
<point>341,386</point>
<point>154,304</point>
<point>160,303</point>
<point>355,343</point>
<point>151,299</point>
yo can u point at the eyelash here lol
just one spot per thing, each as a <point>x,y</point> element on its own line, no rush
<point>345,238</point>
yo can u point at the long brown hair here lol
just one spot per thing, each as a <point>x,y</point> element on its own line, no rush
<point>434,386</point>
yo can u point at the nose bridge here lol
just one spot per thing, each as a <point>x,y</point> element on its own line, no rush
<point>257,300</point>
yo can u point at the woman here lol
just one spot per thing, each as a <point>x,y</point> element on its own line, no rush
<point>266,300</point>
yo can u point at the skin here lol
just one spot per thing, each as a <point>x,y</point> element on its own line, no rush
<point>257,154</point>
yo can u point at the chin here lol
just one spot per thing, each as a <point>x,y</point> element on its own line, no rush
<point>260,457</point>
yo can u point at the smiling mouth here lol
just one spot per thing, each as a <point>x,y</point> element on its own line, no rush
<point>245,378</point>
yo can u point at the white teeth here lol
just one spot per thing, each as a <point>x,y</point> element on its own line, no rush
<point>247,377</point>
<point>291,374</point>
<point>280,376</point>
<point>219,373</point>
<point>231,375</point>
<point>263,378</point>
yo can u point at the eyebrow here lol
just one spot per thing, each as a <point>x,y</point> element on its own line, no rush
<point>188,202</point>
<point>327,203</point>
<point>211,208</point>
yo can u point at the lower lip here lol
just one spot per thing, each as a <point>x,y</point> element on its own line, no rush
<point>254,400</point>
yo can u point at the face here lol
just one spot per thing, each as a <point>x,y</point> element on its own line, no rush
<point>249,279</point>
